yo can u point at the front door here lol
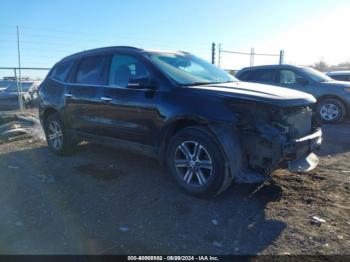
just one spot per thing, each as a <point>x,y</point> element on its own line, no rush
<point>130,111</point>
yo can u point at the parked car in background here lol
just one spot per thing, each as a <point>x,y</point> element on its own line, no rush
<point>333,97</point>
<point>9,94</point>
<point>208,128</point>
<point>339,75</point>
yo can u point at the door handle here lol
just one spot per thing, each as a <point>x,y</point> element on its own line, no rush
<point>68,95</point>
<point>106,99</point>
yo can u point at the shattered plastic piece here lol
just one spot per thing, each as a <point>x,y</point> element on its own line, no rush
<point>315,220</point>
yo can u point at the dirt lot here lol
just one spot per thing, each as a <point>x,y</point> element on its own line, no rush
<point>103,201</point>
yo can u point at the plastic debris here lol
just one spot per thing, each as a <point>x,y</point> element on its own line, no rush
<point>315,220</point>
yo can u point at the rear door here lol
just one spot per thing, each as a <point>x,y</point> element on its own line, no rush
<point>130,111</point>
<point>84,94</point>
<point>263,76</point>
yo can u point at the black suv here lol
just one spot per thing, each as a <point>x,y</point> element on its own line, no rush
<point>208,128</point>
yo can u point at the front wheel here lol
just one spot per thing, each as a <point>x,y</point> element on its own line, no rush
<point>331,110</point>
<point>196,162</point>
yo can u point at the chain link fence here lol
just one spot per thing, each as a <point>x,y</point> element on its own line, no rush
<point>232,61</point>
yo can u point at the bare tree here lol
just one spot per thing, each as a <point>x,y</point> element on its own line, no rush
<point>321,66</point>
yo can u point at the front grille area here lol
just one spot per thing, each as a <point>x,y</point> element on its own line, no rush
<point>299,122</point>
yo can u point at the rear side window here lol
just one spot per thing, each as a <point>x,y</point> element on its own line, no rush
<point>92,70</point>
<point>61,71</point>
<point>247,75</point>
<point>262,75</point>
<point>266,75</point>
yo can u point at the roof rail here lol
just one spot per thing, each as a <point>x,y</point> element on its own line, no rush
<point>101,49</point>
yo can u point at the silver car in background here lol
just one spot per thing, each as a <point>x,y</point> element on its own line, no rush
<point>339,75</point>
<point>333,97</point>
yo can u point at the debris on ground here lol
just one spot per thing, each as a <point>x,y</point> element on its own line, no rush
<point>315,220</point>
<point>16,126</point>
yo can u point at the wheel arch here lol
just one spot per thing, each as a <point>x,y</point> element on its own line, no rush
<point>46,113</point>
<point>172,127</point>
<point>225,136</point>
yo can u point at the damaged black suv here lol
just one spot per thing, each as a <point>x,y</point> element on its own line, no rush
<point>204,125</point>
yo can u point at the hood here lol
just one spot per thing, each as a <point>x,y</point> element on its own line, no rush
<point>336,84</point>
<point>274,95</point>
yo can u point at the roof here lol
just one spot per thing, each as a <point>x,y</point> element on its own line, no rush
<point>271,66</point>
<point>100,50</point>
<point>111,49</point>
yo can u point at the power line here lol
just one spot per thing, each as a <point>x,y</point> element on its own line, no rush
<point>91,35</point>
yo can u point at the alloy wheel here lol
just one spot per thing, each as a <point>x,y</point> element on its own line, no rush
<point>55,135</point>
<point>329,112</point>
<point>193,163</point>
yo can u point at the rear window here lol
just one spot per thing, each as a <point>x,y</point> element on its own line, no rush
<point>340,77</point>
<point>60,72</point>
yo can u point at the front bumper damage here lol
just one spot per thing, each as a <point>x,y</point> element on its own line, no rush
<point>301,151</point>
<point>270,150</point>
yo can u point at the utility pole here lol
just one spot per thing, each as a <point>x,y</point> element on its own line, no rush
<point>281,57</point>
<point>213,46</point>
<point>19,85</point>
<point>219,59</point>
<point>251,57</point>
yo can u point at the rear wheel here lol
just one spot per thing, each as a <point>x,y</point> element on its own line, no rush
<point>56,135</point>
<point>196,162</point>
<point>331,110</point>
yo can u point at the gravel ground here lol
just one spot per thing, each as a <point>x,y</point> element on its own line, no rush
<point>105,201</point>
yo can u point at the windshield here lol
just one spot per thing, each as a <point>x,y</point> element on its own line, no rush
<point>316,75</point>
<point>189,70</point>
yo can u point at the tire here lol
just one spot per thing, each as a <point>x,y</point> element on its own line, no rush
<point>201,174</point>
<point>57,138</point>
<point>331,110</point>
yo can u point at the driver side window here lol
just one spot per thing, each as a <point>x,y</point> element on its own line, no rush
<point>288,77</point>
<point>126,70</point>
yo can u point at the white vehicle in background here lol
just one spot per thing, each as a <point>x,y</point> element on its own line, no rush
<point>339,75</point>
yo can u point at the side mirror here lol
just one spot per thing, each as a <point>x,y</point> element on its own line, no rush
<point>142,83</point>
<point>302,81</point>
